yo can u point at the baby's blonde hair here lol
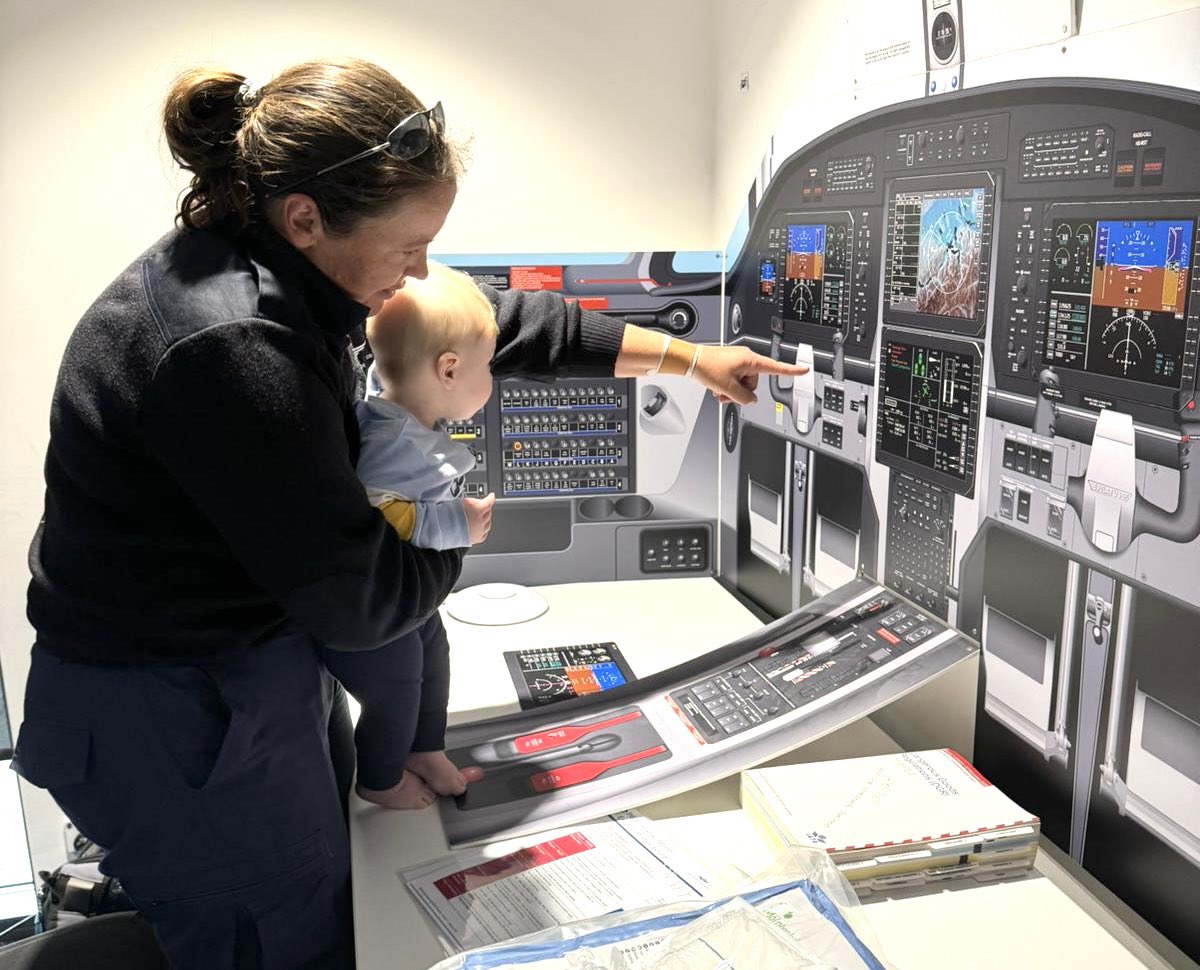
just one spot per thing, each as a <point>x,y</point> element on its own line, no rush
<point>445,311</point>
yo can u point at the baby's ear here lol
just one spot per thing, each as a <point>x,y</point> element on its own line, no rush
<point>447,366</point>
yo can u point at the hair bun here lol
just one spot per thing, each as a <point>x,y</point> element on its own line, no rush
<point>201,116</point>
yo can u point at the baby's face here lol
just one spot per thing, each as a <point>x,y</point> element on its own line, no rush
<point>473,379</point>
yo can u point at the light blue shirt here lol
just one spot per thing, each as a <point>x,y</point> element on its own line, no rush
<point>400,458</point>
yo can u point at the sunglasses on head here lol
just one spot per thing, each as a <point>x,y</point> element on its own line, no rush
<point>409,139</point>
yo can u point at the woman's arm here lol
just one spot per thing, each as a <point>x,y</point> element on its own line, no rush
<point>731,373</point>
<point>543,336</point>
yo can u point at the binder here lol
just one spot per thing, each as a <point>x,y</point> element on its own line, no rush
<point>894,820</point>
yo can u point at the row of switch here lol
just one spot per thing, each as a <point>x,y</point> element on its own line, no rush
<point>560,424</point>
<point>465,431</point>
<point>528,398</point>
<point>1028,459</point>
<point>1021,319</point>
<point>1015,503</point>
<point>1014,500</point>
<point>1076,153</point>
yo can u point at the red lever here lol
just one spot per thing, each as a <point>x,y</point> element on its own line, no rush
<point>582,771</point>
<point>557,737</point>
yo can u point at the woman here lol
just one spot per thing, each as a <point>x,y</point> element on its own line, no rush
<point>204,526</point>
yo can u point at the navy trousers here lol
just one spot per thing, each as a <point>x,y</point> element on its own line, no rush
<point>213,790</point>
<point>404,688</point>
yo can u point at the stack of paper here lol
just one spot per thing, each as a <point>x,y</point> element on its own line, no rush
<point>894,819</point>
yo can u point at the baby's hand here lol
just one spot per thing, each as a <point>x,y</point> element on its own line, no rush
<point>479,517</point>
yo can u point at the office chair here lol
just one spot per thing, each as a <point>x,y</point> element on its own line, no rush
<point>114,941</point>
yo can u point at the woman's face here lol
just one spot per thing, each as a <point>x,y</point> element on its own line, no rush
<point>370,263</point>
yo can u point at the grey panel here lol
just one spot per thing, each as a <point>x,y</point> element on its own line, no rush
<point>528,527</point>
<point>590,557</point>
<point>1016,645</point>
<point>1172,738</point>
<point>838,542</point>
<point>764,502</point>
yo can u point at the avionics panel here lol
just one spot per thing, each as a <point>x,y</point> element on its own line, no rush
<point>927,418</point>
<point>803,274</point>
<point>1120,318</point>
<point>937,269</point>
<point>572,437</point>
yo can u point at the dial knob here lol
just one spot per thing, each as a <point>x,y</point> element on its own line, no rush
<point>1101,142</point>
<point>960,134</point>
<point>679,319</point>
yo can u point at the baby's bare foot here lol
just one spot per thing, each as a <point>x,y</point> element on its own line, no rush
<point>440,772</point>
<point>409,792</point>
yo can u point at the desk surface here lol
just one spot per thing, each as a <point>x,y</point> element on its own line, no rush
<point>657,624</point>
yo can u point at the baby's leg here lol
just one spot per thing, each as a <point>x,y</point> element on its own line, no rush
<point>387,683</point>
<point>428,759</point>
<point>411,792</point>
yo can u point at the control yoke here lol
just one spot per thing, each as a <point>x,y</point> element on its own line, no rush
<point>1106,498</point>
<point>799,396</point>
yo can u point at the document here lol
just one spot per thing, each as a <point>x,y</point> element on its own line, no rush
<point>476,896</point>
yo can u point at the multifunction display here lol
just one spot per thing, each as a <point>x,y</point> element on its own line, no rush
<point>939,243</point>
<point>803,273</point>
<point>929,407</point>
<point>1118,298</point>
<point>936,252</point>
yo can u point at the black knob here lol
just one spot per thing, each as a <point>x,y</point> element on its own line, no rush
<point>1023,283</point>
<point>921,139</point>
<point>1101,142</point>
<point>960,134</point>
<point>679,320</point>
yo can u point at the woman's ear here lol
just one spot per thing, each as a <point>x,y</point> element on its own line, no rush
<point>298,219</point>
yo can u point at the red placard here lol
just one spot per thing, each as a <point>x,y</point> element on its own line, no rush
<point>535,277</point>
<point>465,880</point>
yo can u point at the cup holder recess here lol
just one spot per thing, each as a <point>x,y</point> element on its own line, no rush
<point>599,508</point>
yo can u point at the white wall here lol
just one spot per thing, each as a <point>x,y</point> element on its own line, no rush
<point>591,131</point>
<point>807,73</point>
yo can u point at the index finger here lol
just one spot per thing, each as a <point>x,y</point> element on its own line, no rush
<point>768,365</point>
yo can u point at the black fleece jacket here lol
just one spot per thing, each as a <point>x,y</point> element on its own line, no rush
<point>200,484</point>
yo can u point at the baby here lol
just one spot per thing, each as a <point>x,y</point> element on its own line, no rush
<point>433,344</point>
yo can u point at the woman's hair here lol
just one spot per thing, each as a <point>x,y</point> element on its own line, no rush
<point>240,145</point>
<point>445,311</point>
